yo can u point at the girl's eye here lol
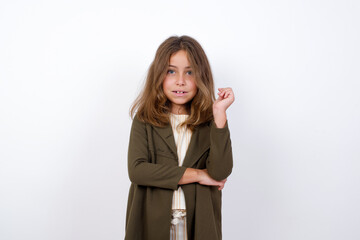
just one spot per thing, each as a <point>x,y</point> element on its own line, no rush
<point>171,71</point>
<point>189,73</point>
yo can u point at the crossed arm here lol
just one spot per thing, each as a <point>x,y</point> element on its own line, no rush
<point>142,172</point>
<point>200,176</point>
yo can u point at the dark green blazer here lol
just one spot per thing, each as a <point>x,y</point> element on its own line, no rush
<point>154,173</point>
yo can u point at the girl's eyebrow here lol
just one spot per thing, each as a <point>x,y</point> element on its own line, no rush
<point>177,67</point>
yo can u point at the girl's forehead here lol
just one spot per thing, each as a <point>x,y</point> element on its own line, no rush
<point>179,57</point>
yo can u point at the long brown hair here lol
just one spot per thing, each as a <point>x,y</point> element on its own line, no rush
<point>152,106</point>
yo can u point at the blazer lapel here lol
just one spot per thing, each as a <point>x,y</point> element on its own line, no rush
<point>199,143</point>
<point>167,135</point>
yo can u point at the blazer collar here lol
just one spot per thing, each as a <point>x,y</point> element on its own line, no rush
<point>199,143</point>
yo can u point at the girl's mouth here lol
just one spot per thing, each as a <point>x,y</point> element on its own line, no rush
<point>179,93</point>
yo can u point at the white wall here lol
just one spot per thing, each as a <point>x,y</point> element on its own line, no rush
<point>70,69</point>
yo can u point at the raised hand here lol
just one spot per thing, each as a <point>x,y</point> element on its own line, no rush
<point>225,99</point>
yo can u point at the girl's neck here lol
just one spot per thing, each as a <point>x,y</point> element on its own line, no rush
<point>179,110</point>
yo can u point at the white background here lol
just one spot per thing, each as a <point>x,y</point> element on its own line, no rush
<point>69,71</point>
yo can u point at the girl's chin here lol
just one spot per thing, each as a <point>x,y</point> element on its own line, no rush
<point>180,103</point>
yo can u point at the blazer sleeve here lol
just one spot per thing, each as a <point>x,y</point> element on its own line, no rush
<point>141,170</point>
<point>220,161</point>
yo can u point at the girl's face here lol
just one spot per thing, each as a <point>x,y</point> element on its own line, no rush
<point>179,84</point>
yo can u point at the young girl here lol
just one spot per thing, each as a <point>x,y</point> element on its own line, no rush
<point>180,150</point>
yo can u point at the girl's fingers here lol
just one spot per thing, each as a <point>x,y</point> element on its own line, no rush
<point>225,93</point>
<point>224,90</point>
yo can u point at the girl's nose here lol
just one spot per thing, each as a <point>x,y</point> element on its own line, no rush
<point>180,80</point>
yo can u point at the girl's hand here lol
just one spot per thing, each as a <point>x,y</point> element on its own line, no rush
<point>225,99</point>
<point>205,179</point>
